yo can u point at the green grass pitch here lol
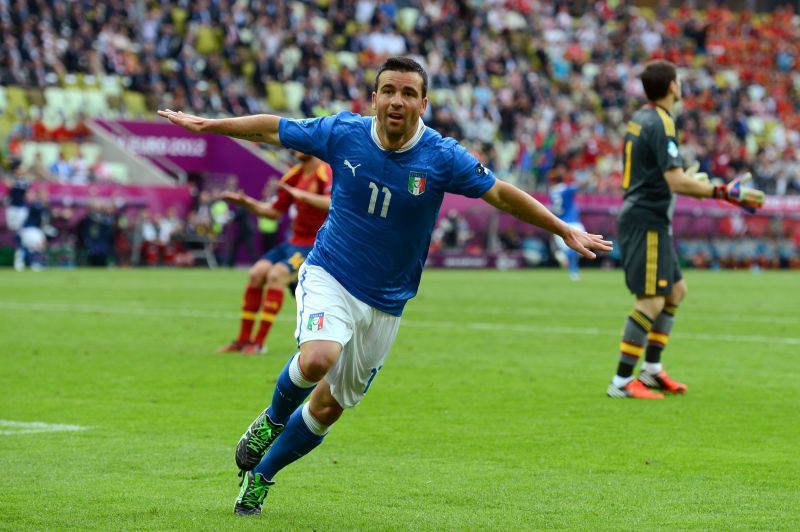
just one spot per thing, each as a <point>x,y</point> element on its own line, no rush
<point>489,414</point>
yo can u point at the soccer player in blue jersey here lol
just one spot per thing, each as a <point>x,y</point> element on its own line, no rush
<point>564,205</point>
<point>390,174</point>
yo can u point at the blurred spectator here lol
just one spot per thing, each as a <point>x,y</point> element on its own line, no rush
<point>243,231</point>
<point>145,241</point>
<point>544,82</point>
<point>452,233</point>
<point>35,230</point>
<point>62,168</point>
<point>37,170</point>
<point>267,227</point>
<point>17,210</point>
<point>96,233</point>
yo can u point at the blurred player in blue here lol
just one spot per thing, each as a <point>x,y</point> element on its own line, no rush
<point>564,205</point>
<point>390,174</point>
<point>17,210</point>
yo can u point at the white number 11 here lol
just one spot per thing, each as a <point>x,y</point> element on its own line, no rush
<point>387,197</point>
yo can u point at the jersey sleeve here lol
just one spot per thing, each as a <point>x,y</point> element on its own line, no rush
<point>470,177</point>
<point>665,144</point>
<point>309,135</point>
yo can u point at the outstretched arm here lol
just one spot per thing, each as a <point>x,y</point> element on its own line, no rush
<point>521,205</point>
<point>258,128</point>
<point>320,201</point>
<point>256,207</point>
<point>693,183</point>
<point>689,183</point>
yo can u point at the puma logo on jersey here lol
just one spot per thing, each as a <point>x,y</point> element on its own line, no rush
<point>351,167</point>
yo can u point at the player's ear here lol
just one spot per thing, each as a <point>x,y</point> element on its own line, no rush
<point>374,101</point>
<point>424,105</point>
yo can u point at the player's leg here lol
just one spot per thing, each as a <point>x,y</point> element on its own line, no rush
<point>278,278</point>
<point>251,301</point>
<point>640,261</point>
<point>347,378</point>
<point>560,249</point>
<point>15,218</point>
<point>321,335</point>
<point>345,381</point>
<point>652,373</point>
<point>573,265</point>
<point>573,257</point>
<point>305,430</point>
<point>295,382</point>
<point>34,244</point>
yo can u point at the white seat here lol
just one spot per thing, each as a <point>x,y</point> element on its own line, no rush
<point>95,103</point>
<point>91,152</point>
<point>55,99</point>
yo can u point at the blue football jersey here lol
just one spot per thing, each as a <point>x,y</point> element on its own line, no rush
<point>563,204</point>
<point>384,203</point>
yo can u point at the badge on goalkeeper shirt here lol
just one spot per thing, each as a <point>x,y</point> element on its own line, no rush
<point>315,321</point>
<point>672,149</point>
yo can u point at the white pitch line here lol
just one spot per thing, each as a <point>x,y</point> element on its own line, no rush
<point>451,325</point>
<point>591,331</point>
<point>181,312</point>
<point>12,428</point>
<point>120,310</point>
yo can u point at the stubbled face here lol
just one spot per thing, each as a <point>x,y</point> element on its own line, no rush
<point>398,104</point>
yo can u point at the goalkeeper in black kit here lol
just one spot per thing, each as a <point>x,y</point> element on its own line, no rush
<point>653,175</point>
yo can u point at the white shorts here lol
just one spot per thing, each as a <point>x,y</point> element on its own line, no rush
<point>32,238</point>
<point>326,311</point>
<point>15,217</point>
<point>560,244</point>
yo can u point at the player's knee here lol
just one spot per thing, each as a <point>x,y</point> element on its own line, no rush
<point>316,358</point>
<point>679,292</point>
<point>651,306</point>
<point>278,276</point>
<point>257,275</point>
<point>256,278</point>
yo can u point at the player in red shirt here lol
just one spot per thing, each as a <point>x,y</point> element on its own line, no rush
<point>307,186</point>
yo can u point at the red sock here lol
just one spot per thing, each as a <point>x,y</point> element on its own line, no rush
<point>252,298</point>
<point>272,305</point>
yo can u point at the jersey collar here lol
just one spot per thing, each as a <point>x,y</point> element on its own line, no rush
<point>654,105</point>
<point>407,146</point>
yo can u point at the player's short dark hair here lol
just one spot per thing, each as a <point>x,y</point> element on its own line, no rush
<point>403,64</point>
<point>656,77</point>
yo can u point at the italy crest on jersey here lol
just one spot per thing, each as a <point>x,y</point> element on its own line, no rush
<point>416,183</point>
<point>315,321</point>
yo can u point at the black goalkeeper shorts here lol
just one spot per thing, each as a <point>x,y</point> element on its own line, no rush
<point>649,260</point>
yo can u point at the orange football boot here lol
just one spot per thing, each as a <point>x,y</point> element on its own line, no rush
<point>233,347</point>
<point>662,381</point>
<point>633,390</point>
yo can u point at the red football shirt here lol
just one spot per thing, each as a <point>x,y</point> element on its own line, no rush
<point>309,219</point>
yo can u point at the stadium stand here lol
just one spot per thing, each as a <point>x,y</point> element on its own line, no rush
<point>527,84</point>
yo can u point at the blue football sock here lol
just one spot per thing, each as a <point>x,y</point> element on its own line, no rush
<point>290,392</point>
<point>296,441</point>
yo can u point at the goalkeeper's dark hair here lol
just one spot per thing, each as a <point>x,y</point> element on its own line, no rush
<point>403,64</point>
<point>656,77</point>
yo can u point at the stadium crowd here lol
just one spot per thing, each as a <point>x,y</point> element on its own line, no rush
<point>527,83</point>
<point>536,89</point>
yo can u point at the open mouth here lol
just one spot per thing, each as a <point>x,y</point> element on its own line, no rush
<point>395,117</point>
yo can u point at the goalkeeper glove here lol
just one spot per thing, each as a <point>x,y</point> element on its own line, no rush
<point>734,192</point>
<point>692,173</point>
